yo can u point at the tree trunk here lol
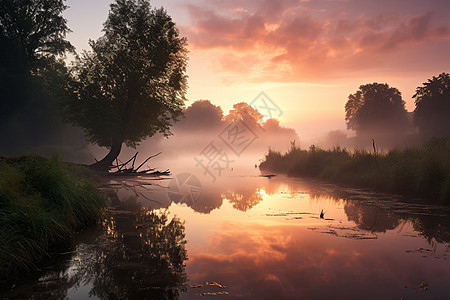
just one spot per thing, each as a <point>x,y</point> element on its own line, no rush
<point>106,162</point>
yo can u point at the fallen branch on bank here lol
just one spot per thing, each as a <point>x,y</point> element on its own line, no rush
<point>128,168</point>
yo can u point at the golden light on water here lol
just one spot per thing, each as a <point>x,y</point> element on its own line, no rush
<point>262,192</point>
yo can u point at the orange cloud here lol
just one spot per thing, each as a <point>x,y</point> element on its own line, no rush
<point>288,41</point>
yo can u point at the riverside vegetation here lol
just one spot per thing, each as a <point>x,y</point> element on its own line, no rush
<point>420,172</point>
<point>43,203</point>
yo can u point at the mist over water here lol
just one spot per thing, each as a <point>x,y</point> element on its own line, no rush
<point>236,137</point>
<point>205,124</point>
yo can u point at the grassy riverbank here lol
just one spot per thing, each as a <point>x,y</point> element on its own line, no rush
<point>43,203</point>
<point>420,172</point>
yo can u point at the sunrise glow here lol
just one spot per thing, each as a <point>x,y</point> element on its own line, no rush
<point>308,56</point>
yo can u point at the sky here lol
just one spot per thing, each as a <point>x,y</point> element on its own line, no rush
<point>306,55</point>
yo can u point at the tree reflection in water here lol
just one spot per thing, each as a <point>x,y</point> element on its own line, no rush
<point>380,212</point>
<point>244,200</point>
<point>141,254</point>
<point>144,257</point>
<point>369,218</point>
<point>371,212</point>
<point>138,254</point>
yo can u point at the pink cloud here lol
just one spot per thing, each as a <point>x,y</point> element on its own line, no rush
<point>289,41</point>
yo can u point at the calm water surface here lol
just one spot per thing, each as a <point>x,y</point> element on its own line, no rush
<point>251,237</point>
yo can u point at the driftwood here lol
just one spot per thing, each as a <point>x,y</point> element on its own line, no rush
<point>127,168</point>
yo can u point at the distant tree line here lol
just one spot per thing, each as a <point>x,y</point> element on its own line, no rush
<point>378,111</point>
<point>131,85</point>
<point>202,115</point>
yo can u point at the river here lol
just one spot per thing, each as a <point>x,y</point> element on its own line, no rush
<point>243,236</point>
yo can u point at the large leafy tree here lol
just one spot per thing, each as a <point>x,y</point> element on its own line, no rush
<point>432,113</point>
<point>35,28</point>
<point>32,43</point>
<point>201,115</point>
<point>243,111</point>
<point>376,110</point>
<point>132,84</point>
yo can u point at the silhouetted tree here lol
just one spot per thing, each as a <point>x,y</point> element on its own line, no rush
<point>35,29</point>
<point>243,111</point>
<point>335,138</point>
<point>376,110</point>
<point>201,115</point>
<point>132,84</point>
<point>432,113</point>
<point>32,43</point>
<point>273,129</point>
<point>275,135</point>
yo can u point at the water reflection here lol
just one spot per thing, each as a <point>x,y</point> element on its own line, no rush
<point>380,213</point>
<point>143,257</point>
<point>371,212</point>
<point>244,200</point>
<point>288,262</point>
<point>365,242</point>
<point>373,219</point>
<point>206,205</point>
<point>138,254</point>
<point>255,238</point>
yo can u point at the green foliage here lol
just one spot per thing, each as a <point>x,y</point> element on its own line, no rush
<point>422,171</point>
<point>36,29</point>
<point>32,35</point>
<point>32,73</point>
<point>432,111</point>
<point>132,84</point>
<point>376,108</point>
<point>42,204</point>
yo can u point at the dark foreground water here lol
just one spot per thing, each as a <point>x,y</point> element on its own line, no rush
<point>251,237</point>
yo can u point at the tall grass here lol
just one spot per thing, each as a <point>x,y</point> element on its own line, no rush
<point>422,171</point>
<point>43,203</point>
